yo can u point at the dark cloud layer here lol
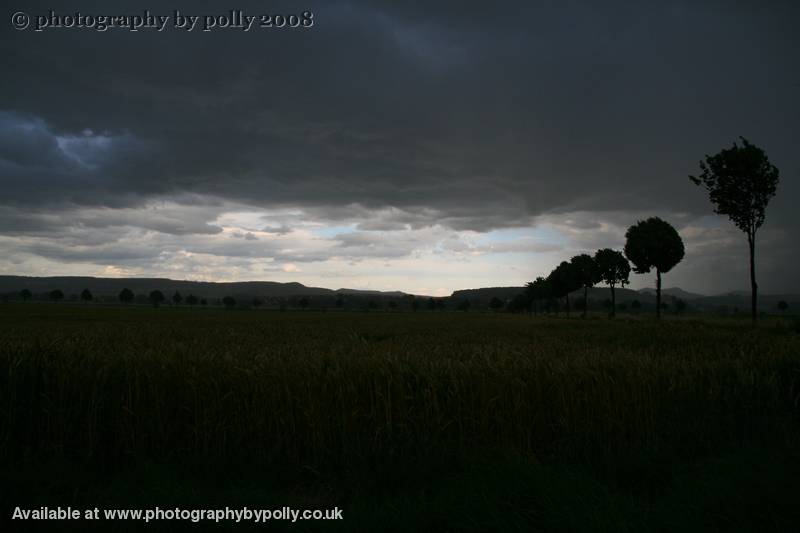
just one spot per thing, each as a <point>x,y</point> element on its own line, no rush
<point>465,114</point>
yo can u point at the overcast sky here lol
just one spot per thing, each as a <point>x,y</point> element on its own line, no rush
<point>393,145</point>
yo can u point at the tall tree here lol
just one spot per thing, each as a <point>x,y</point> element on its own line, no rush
<point>653,244</point>
<point>177,298</point>
<point>25,294</point>
<point>586,275</point>
<point>740,182</point>
<point>86,295</point>
<point>613,269</point>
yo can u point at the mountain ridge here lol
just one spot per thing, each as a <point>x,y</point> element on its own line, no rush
<point>110,287</point>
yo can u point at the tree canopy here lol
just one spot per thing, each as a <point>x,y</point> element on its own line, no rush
<point>740,182</point>
<point>653,243</point>
<point>612,267</point>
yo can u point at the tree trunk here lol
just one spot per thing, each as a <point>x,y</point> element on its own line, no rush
<point>567,305</point>
<point>658,293</point>
<point>613,303</point>
<point>751,240</point>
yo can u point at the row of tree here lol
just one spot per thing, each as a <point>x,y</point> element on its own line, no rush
<point>740,182</point>
<point>651,244</point>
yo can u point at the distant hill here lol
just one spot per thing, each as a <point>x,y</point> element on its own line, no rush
<point>111,287</point>
<point>362,292</point>
<point>484,296</point>
<point>673,291</point>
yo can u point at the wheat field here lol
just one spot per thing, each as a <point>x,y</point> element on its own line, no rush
<point>347,391</point>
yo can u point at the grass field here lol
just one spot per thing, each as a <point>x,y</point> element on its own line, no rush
<point>432,421</point>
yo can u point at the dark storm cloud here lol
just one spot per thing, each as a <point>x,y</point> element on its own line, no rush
<point>470,115</point>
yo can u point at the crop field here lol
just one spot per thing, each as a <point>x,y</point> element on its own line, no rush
<point>429,420</point>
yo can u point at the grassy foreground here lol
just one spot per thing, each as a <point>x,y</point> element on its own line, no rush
<point>433,421</point>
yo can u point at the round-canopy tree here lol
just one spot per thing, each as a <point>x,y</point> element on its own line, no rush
<point>740,182</point>
<point>86,295</point>
<point>653,244</point>
<point>613,269</point>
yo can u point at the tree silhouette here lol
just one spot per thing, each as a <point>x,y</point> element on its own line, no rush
<point>256,302</point>
<point>86,295</point>
<point>177,298</point>
<point>680,305</point>
<point>191,300</point>
<point>229,302</point>
<point>203,301</point>
<point>126,296</point>
<point>562,281</point>
<point>586,275</point>
<point>636,305</point>
<point>431,304</point>
<point>653,243</point>
<point>156,298</point>
<point>783,306</point>
<point>495,304</point>
<point>463,305</point>
<point>613,269</point>
<point>415,304</point>
<point>740,182</point>
<point>392,305</point>
<point>303,302</point>
<point>56,295</point>
<point>25,294</point>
